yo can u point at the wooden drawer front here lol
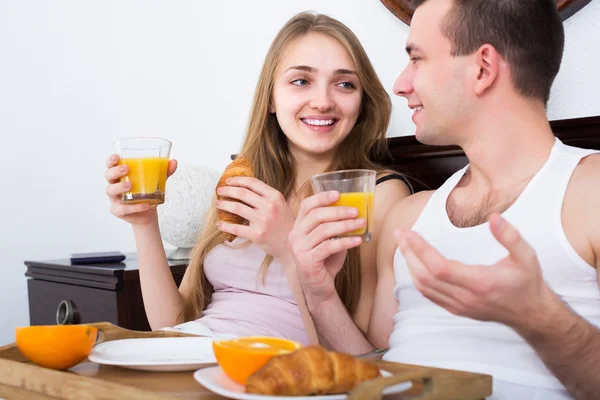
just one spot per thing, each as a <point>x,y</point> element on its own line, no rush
<point>90,305</point>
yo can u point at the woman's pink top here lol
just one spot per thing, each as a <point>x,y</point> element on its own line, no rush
<point>244,305</point>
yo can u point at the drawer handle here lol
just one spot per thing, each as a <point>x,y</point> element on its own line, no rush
<point>67,314</point>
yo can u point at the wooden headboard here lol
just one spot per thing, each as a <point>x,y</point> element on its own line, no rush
<point>429,166</point>
<point>403,9</point>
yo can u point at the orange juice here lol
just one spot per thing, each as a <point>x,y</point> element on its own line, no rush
<point>363,201</point>
<point>148,177</point>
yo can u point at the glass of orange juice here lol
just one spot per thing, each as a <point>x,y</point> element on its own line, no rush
<point>357,188</point>
<point>148,161</point>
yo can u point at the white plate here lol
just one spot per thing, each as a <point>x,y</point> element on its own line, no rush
<point>156,354</point>
<point>215,380</point>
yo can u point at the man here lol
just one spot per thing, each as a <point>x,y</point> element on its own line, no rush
<point>521,300</point>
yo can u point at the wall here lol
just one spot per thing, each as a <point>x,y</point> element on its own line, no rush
<point>77,75</point>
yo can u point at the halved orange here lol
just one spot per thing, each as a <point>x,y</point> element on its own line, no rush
<point>56,346</point>
<point>239,358</point>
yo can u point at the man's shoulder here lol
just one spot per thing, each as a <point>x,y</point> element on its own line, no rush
<point>589,165</point>
<point>406,212</point>
<point>580,213</point>
<point>587,174</point>
<point>402,215</point>
<point>583,191</point>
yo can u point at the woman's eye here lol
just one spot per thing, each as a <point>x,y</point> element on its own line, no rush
<point>299,82</point>
<point>347,85</point>
<point>414,59</point>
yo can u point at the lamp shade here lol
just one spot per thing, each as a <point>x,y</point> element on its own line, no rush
<point>188,196</point>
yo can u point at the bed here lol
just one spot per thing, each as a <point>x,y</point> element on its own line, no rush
<point>427,167</point>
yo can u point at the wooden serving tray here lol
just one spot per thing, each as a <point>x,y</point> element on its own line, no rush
<point>21,379</point>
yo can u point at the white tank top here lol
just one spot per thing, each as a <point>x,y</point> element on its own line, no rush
<point>426,334</point>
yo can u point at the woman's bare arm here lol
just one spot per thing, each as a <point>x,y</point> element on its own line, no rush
<point>163,301</point>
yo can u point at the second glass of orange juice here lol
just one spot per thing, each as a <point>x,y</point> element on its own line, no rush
<point>357,188</point>
<point>148,162</point>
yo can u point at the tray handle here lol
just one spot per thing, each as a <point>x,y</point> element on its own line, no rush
<point>373,389</point>
<point>108,331</point>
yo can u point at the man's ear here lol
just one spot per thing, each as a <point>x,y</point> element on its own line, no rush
<point>488,61</point>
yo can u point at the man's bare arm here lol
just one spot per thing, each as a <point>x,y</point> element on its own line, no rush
<point>568,344</point>
<point>387,195</point>
<point>385,306</point>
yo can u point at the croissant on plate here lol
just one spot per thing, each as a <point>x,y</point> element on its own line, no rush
<point>310,370</point>
<point>239,167</point>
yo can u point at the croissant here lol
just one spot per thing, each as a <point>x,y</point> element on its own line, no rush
<point>310,370</point>
<point>239,167</point>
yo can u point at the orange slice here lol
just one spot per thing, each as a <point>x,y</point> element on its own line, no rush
<point>56,346</point>
<point>240,358</point>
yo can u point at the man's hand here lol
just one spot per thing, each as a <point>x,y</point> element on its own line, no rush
<point>509,292</point>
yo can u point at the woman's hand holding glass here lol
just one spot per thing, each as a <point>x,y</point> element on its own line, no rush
<point>135,214</point>
<point>269,216</point>
<point>318,258</point>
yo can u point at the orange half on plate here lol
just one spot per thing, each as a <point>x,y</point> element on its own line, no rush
<point>239,358</point>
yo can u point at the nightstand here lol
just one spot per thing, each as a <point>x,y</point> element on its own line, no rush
<point>60,292</point>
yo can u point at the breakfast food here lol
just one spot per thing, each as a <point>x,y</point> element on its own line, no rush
<point>310,370</point>
<point>56,346</point>
<point>239,167</point>
<point>241,357</point>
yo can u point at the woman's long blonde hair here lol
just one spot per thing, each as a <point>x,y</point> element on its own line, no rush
<point>266,148</point>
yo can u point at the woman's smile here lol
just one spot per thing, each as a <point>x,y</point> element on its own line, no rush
<point>320,123</point>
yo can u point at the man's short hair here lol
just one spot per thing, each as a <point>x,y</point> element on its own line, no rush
<point>528,34</point>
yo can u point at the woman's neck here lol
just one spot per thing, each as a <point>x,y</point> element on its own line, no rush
<point>306,166</point>
<point>304,173</point>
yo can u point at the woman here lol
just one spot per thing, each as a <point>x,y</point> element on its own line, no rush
<point>318,106</point>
